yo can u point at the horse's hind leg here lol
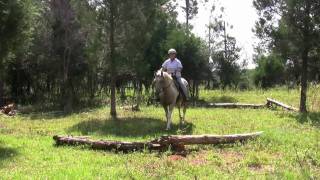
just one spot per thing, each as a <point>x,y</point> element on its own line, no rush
<point>180,116</point>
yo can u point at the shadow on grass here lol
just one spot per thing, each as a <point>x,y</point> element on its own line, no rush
<point>51,114</point>
<point>6,154</point>
<point>129,127</point>
<point>311,117</point>
<point>222,99</point>
<point>45,115</point>
<point>215,99</point>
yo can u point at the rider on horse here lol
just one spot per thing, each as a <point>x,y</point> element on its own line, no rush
<point>174,67</point>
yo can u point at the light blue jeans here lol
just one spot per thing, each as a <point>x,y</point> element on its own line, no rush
<point>183,87</point>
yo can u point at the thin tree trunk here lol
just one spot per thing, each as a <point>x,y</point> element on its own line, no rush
<point>305,53</point>
<point>197,90</point>
<point>304,84</point>
<point>225,40</point>
<point>187,14</point>
<point>113,111</point>
<point>67,99</point>
<point>139,96</point>
<point>1,93</point>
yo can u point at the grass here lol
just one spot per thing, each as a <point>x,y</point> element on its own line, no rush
<point>288,149</point>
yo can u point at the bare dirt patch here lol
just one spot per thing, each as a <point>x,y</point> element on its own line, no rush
<point>176,158</point>
<point>199,159</point>
<point>231,157</point>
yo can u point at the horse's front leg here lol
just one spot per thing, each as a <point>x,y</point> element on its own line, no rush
<point>166,112</point>
<point>184,113</point>
<point>170,110</point>
<point>180,116</point>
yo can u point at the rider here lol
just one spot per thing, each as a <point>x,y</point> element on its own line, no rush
<point>174,67</point>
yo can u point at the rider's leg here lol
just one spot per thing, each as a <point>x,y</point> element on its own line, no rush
<point>183,87</point>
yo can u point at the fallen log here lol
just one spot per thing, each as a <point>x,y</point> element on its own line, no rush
<point>102,144</point>
<point>206,139</point>
<point>271,102</point>
<point>235,105</point>
<point>176,142</point>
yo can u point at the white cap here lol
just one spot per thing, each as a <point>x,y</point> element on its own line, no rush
<point>172,51</point>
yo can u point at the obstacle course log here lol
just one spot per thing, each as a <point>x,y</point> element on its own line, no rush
<point>104,144</point>
<point>177,142</point>
<point>206,139</point>
<point>270,102</point>
<point>235,105</point>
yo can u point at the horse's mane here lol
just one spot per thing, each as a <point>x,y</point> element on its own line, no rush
<point>165,75</point>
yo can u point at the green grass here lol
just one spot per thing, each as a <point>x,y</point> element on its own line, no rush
<point>288,149</point>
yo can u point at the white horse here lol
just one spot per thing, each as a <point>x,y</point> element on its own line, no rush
<point>170,96</point>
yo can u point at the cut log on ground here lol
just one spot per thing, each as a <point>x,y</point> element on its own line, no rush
<point>235,105</point>
<point>176,142</point>
<point>271,102</point>
<point>104,144</point>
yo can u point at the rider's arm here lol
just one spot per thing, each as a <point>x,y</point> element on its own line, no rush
<point>164,66</point>
<point>179,68</point>
<point>163,69</point>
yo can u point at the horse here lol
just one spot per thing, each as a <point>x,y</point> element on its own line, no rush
<point>170,96</point>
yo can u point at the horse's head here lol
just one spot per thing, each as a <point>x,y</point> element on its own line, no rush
<point>161,79</point>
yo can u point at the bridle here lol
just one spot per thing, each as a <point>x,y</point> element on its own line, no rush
<point>164,88</point>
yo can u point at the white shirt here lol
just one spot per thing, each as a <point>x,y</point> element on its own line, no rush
<point>173,66</point>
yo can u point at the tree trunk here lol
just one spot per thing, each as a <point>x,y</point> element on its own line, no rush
<point>304,84</point>
<point>225,40</point>
<point>66,95</point>
<point>1,92</point>
<point>187,14</point>
<point>197,90</point>
<point>113,111</point>
<point>305,56</point>
<point>139,95</point>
